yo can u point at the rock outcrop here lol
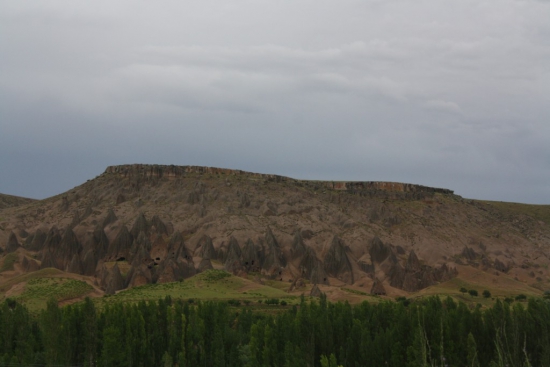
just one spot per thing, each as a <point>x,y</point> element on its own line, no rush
<point>12,244</point>
<point>274,258</point>
<point>233,259</point>
<point>378,288</point>
<point>112,280</point>
<point>121,245</point>
<point>312,269</point>
<point>337,263</point>
<point>36,241</point>
<point>206,248</point>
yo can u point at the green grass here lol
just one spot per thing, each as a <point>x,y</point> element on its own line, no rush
<point>539,212</point>
<point>38,291</point>
<point>506,287</point>
<point>9,261</point>
<point>209,285</point>
<point>354,291</point>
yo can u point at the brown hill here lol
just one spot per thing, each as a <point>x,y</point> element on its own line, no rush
<point>9,201</point>
<point>165,223</point>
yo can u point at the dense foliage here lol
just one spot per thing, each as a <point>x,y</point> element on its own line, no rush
<point>168,333</point>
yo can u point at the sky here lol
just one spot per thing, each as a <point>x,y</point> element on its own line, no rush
<point>452,94</point>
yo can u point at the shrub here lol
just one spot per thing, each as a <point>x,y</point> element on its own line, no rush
<point>473,292</point>
<point>521,297</point>
<point>486,294</point>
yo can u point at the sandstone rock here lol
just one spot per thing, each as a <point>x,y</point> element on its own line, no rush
<point>298,248</point>
<point>30,265</point>
<point>140,225</point>
<point>187,268</point>
<point>75,265</point>
<point>139,275</point>
<point>176,247</point>
<point>366,267</point>
<point>378,250</point>
<point>311,268</point>
<point>169,272</point>
<point>274,260</point>
<point>337,263</point>
<point>413,264</point>
<point>140,251</point>
<point>469,253</point>
<point>207,250</point>
<point>233,262</point>
<point>159,225</point>
<point>397,276</point>
<point>378,288</point>
<point>250,257</point>
<point>245,201</point>
<point>113,280</point>
<point>204,265</point>
<point>121,245</point>
<point>110,218</point>
<point>315,291</point>
<point>36,241</point>
<point>498,265</point>
<point>53,239</point>
<point>12,244</point>
<point>120,199</point>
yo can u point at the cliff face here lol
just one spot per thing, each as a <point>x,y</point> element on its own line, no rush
<point>165,171</point>
<point>166,223</point>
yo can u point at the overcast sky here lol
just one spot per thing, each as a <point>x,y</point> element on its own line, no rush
<point>452,94</point>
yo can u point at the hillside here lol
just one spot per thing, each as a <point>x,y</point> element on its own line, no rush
<point>9,201</point>
<point>141,224</point>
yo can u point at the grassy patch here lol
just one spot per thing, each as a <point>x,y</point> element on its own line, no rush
<point>209,285</point>
<point>38,291</point>
<point>539,212</point>
<point>354,291</point>
<point>501,287</point>
<point>9,261</point>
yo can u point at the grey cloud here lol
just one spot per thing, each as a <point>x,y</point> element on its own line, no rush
<point>442,93</point>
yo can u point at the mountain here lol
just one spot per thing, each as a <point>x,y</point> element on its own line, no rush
<point>139,224</point>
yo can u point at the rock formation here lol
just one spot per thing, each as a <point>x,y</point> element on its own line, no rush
<point>206,250</point>
<point>337,263</point>
<point>12,244</point>
<point>378,288</point>
<point>233,259</point>
<point>121,245</point>
<point>312,269</point>
<point>274,259</point>
<point>36,241</point>
<point>112,280</point>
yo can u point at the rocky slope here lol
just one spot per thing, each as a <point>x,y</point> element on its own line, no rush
<point>138,224</point>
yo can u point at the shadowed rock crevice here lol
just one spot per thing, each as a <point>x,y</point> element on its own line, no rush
<point>274,258</point>
<point>12,244</point>
<point>337,263</point>
<point>312,269</point>
<point>121,245</point>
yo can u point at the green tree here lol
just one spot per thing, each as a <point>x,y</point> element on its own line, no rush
<point>463,290</point>
<point>486,294</point>
<point>472,352</point>
<point>473,293</point>
<point>329,362</point>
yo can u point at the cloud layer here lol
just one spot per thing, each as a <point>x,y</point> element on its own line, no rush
<point>441,93</point>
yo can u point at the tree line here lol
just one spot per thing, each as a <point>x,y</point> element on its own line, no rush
<point>316,333</point>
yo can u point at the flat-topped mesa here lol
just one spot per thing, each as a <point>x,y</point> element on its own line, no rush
<point>171,171</point>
